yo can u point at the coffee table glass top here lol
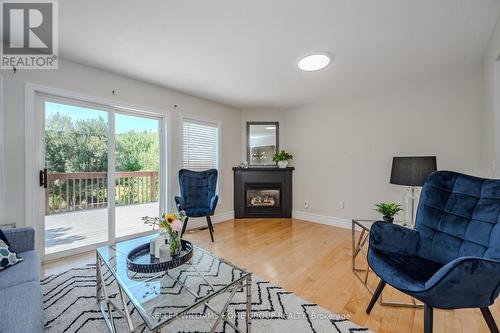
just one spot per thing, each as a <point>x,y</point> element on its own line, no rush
<point>161,297</point>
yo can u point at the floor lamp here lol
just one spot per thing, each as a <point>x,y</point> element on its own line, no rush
<point>412,171</point>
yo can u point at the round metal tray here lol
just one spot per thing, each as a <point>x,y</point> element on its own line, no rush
<point>140,261</point>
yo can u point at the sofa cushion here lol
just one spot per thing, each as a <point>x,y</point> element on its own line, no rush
<point>21,308</point>
<point>8,258</point>
<point>26,271</point>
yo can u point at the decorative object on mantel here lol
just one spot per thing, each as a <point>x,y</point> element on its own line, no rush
<point>282,158</point>
<point>388,210</point>
<point>412,171</point>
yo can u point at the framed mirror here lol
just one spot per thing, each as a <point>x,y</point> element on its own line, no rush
<point>262,142</point>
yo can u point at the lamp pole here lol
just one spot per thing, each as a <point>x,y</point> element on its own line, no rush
<point>412,190</point>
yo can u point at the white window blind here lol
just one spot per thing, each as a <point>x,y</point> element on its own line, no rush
<point>200,145</point>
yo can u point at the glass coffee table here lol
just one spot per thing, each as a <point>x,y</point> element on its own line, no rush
<point>161,298</point>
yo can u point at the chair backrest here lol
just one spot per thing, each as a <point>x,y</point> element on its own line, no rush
<point>197,187</point>
<point>458,215</point>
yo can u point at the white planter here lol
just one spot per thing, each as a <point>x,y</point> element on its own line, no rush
<point>282,164</point>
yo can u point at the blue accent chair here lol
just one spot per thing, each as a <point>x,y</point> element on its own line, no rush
<point>452,259</point>
<point>198,198</point>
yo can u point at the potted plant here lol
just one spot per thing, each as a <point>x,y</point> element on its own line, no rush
<point>282,158</point>
<point>388,210</point>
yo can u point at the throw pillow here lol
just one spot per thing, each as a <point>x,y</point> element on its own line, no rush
<point>7,257</point>
<point>3,238</point>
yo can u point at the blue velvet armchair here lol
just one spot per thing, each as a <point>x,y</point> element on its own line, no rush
<point>198,198</point>
<point>452,259</point>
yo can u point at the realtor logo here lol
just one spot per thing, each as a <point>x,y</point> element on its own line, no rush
<point>29,34</point>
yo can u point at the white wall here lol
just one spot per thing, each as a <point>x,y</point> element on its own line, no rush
<point>490,134</point>
<point>89,81</point>
<point>343,149</point>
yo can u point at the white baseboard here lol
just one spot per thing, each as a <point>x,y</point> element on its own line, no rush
<point>323,219</point>
<point>198,222</point>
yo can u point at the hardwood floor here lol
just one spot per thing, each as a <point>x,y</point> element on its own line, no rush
<point>313,261</point>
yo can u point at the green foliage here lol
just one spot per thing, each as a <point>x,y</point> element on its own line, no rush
<point>83,146</point>
<point>388,209</point>
<point>282,156</point>
<point>137,151</point>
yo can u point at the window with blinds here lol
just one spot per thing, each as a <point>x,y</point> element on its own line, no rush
<point>200,145</point>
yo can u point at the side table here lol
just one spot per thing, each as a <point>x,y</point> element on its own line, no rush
<point>359,247</point>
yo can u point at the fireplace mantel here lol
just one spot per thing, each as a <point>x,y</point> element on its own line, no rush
<point>270,188</point>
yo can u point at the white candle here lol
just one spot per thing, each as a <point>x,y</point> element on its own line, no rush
<point>152,246</point>
<point>159,241</point>
<point>164,252</point>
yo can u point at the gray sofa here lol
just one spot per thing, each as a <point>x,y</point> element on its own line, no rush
<point>21,308</point>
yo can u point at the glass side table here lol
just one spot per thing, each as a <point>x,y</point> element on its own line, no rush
<point>359,246</point>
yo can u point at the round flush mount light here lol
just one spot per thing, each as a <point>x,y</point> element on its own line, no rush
<point>314,62</point>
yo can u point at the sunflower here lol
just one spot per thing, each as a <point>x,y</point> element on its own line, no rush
<point>170,218</point>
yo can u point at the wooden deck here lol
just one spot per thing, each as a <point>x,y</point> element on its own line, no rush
<point>75,229</point>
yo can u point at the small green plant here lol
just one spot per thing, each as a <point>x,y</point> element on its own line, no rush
<point>388,209</point>
<point>282,156</point>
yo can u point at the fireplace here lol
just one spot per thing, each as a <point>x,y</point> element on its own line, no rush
<point>262,192</point>
<point>258,195</point>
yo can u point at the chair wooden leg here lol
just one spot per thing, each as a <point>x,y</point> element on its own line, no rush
<point>490,321</point>
<point>428,318</point>
<point>375,296</point>
<point>184,226</point>
<point>210,228</point>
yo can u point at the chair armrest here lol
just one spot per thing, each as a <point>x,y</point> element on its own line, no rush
<point>180,203</point>
<point>466,282</point>
<point>21,239</point>
<point>388,237</point>
<point>213,202</point>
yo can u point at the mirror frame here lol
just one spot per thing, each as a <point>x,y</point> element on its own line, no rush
<point>270,123</point>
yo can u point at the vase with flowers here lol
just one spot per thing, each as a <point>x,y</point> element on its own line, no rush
<point>172,224</point>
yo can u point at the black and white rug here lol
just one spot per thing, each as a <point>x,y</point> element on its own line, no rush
<point>70,306</point>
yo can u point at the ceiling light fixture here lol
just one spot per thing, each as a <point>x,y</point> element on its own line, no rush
<point>314,62</point>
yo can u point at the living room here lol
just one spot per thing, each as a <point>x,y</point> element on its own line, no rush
<point>319,166</point>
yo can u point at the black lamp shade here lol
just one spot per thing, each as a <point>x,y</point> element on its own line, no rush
<point>412,170</point>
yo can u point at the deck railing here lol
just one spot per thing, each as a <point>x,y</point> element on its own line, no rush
<point>67,192</point>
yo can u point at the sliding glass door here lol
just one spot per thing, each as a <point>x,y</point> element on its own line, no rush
<point>137,141</point>
<point>76,163</point>
<point>81,211</point>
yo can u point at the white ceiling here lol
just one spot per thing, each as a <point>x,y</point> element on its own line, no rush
<point>244,53</point>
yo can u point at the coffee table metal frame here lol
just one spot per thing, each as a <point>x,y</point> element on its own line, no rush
<point>107,305</point>
<point>358,247</point>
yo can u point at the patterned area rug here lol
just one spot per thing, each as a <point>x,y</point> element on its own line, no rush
<point>70,306</point>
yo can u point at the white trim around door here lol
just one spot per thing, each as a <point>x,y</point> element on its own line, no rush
<point>34,157</point>
<point>2,154</point>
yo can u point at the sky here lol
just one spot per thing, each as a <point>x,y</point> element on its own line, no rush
<point>123,123</point>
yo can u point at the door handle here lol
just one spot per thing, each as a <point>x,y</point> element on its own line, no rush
<point>43,178</point>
